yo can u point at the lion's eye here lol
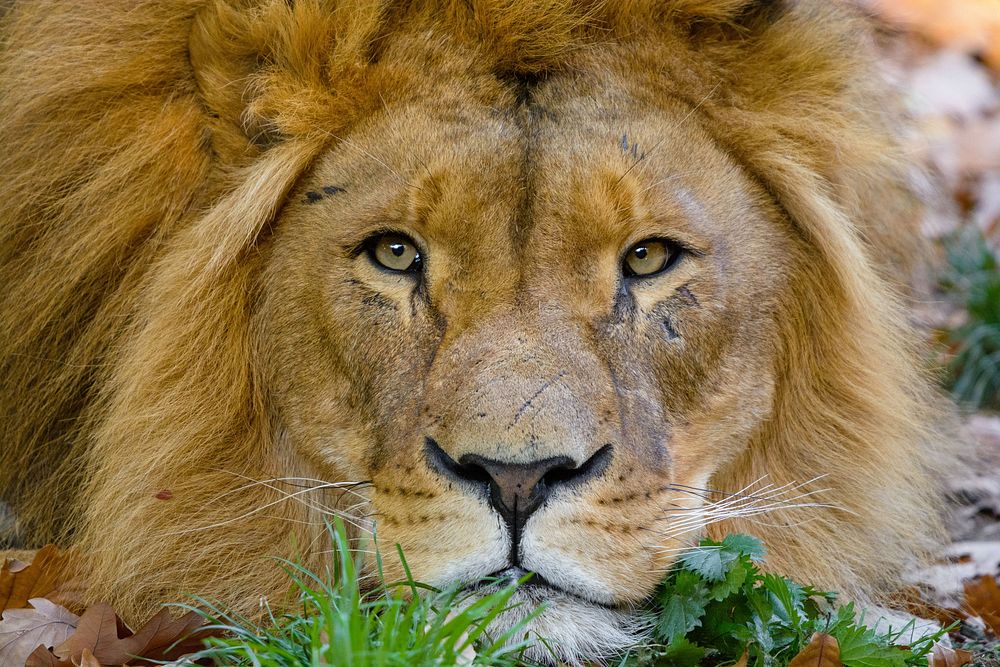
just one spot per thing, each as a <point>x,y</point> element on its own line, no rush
<point>650,257</point>
<point>395,252</point>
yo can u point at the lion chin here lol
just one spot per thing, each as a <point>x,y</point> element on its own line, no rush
<point>571,629</point>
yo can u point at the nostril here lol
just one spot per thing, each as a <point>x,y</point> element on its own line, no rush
<point>589,469</point>
<point>472,472</point>
<point>440,460</point>
<point>517,479</point>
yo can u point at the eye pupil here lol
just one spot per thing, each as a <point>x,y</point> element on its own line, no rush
<point>394,252</point>
<point>650,257</point>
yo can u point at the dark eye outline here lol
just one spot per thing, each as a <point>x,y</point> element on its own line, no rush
<point>416,266</point>
<point>674,252</point>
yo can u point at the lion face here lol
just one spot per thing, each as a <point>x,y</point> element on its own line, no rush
<point>534,271</point>
<point>535,328</point>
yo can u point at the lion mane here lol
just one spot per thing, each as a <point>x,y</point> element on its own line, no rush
<point>149,145</point>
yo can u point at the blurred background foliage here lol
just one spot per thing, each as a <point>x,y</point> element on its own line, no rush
<point>944,57</point>
<point>973,283</point>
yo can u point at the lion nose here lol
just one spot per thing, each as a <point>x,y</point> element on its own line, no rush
<point>516,490</point>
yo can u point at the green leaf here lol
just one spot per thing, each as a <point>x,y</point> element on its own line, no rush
<point>762,637</point>
<point>859,647</point>
<point>709,560</point>
<point>682,653</point>
<point>683,606</point>
<point>713,560</point>
<point>724,627</point>
<point>734,579</point>
<point>760,604</point>
<point>745,545</point>
<point>789,597</point>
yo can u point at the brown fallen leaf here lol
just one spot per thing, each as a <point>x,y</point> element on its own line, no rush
<point>43,657</point>
<point>164,637</point>
<point>821,651</point>
<point>50,570</point>
<point>87,659</point>
<point>742,662</point>
<point>943,656</point>
<point>913,601</point>
<point>109,640</point>
<point>982,599</point>
<point>44,624</point>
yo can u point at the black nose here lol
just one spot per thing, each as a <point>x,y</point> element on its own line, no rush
<point>517,489</point>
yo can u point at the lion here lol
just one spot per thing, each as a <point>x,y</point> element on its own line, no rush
<point>535,286</point>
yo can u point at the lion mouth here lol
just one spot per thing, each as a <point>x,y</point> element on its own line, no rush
<point>534,586</point>
<point>577,629</point>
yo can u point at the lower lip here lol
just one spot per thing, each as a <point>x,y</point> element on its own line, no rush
<point>539,583</point>
<point>513,574</point>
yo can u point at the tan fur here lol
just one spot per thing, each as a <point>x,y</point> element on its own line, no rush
<point>176,316</point>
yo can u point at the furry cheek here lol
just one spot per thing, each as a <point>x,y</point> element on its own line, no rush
<point>600,554</point>
<point>445,538</point>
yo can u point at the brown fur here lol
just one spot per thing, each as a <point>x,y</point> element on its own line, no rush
<point>175,316</point>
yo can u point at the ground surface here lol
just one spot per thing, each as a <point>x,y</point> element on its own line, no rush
<point>945,57</point>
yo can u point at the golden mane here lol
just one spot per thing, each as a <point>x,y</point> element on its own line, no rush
<point>149,144</point>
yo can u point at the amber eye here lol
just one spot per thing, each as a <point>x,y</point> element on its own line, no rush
<point>650,257</point>
<point>395,252</point>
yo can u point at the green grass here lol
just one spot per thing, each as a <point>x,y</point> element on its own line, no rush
<point>407,623</point>
<point>715,605</point>
<point>974,280</point>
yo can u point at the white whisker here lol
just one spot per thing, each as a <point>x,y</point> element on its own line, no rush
<point>352,520</point>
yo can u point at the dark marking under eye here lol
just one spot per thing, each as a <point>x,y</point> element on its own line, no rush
<point>668,326</point>
<point>688,295</point>
<point>379,301</point>
<point>328,190</point>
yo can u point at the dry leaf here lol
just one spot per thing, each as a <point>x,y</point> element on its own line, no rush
<point>42,657</point>
<point>164,637</point>
<point>20,582</point>
<point>912,600</point>
<point>943,656</point>
<point>821,651</point>
<point>103,634</point>
<point>742,662</point>
<point>23,630</point>
<point>87,659</point>
<point>982,598</point>
<point>97,632</point>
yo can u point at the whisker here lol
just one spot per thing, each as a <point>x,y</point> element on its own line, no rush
<point>714,515</point>
<point>703,493</point>
<point>773,498</point>
<point>687,549</point>
<point>742,492</point>
<point>792,524</point>
<point>349,519</point>
<point>320,485</point>
<point>747,506</point>
<point>347,487</point>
